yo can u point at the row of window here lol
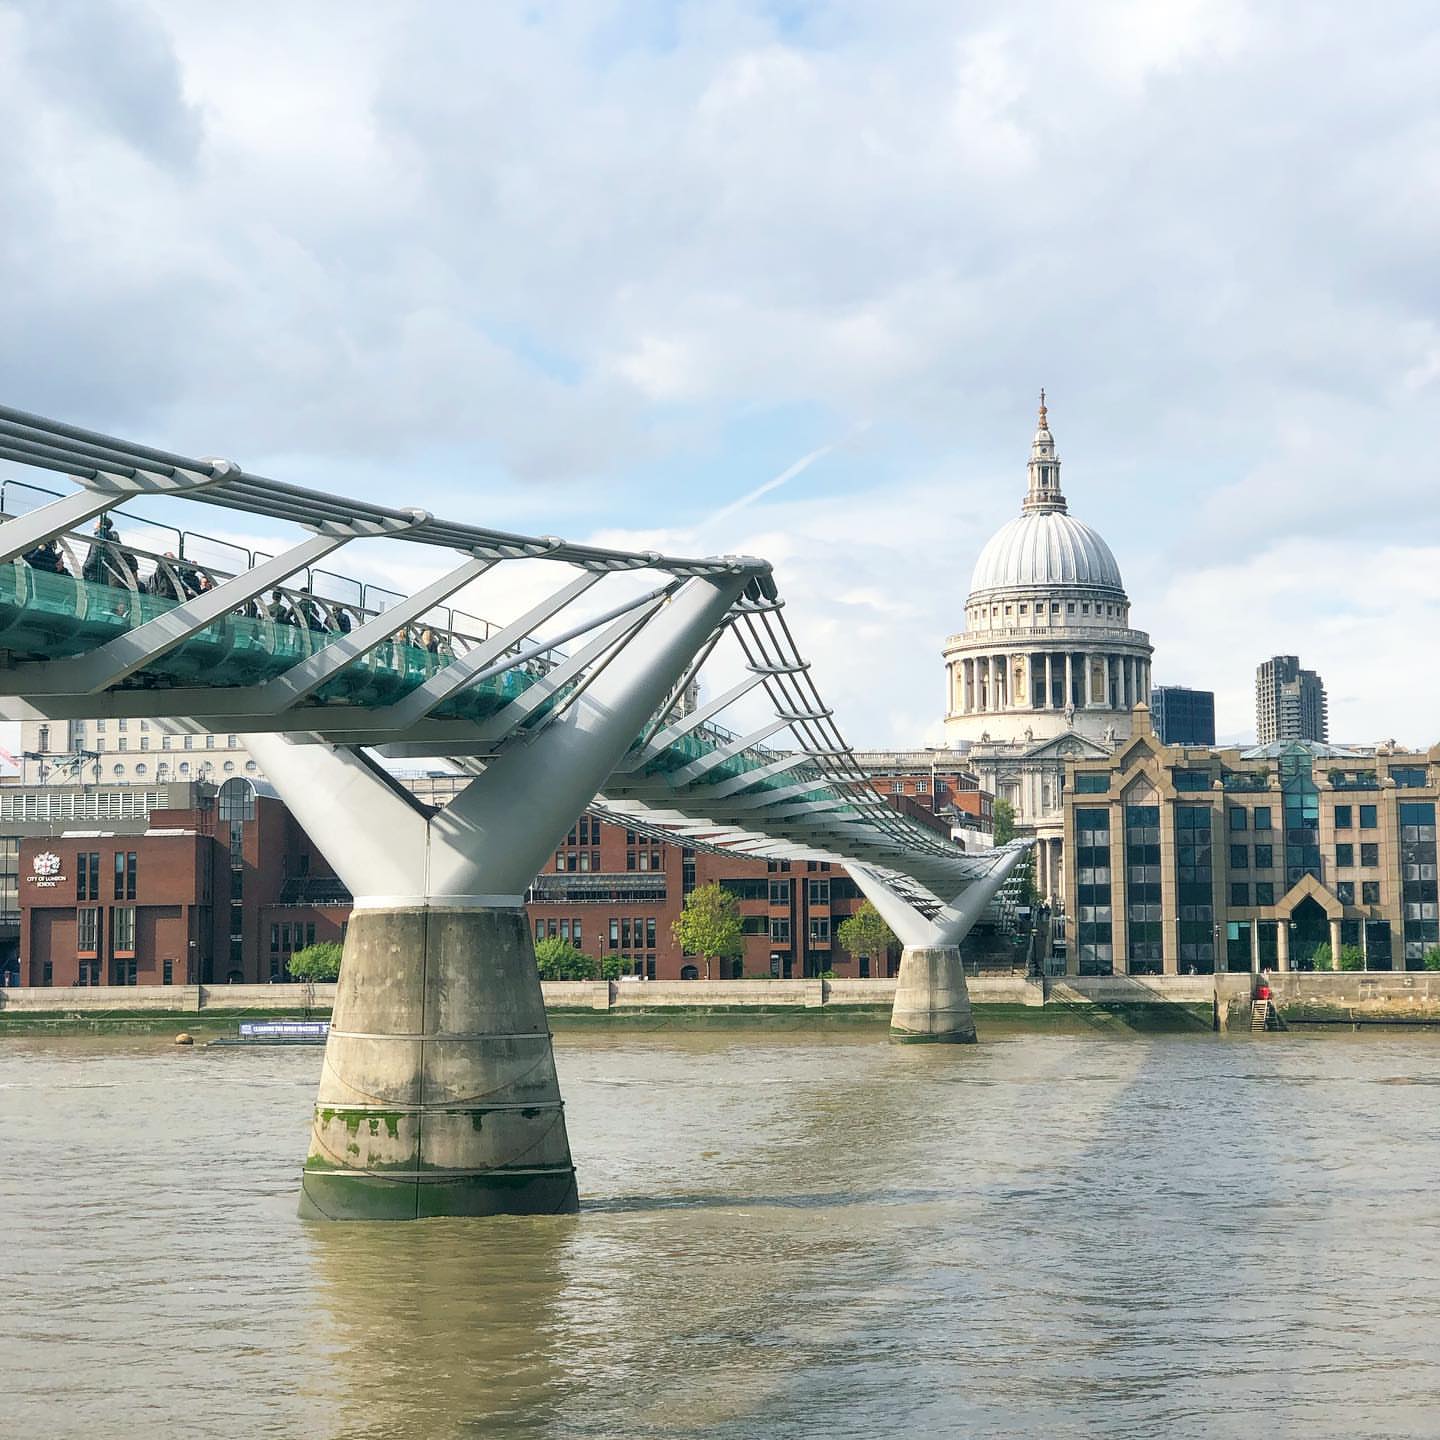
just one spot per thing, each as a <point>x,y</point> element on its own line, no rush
<point>1114,612</point>
<point>87,875</point>
<point>162,770</point>
<point>89,934</point>
<point>287,936</point>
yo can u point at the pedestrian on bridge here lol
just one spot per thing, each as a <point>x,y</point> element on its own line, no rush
<point>46,556</point>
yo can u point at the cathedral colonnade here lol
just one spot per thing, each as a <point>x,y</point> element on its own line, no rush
<point>1046,679</point>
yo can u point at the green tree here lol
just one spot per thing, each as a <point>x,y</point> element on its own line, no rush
<point>317,962</point>
<point>1322,958</point>
<point>1003,822</point>
<point>1431,959</point>
<point>559,960</point>
<point>1352,957</point>
<point>710,925</point>
<point>612,967</point>
<point>866,933</point>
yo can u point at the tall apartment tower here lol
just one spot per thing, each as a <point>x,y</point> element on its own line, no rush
<point>1290,703</point>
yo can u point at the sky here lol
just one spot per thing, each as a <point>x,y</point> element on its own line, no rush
<point>782,279</point>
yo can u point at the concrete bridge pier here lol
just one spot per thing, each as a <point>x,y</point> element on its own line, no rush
<point>439,1094</point>
<point>932,1001</point>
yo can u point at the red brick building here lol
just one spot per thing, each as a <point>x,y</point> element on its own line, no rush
<point>613,892</point>
<point>223,891</point>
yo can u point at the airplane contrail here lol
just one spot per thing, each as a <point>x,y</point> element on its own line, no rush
<point>799,467</point>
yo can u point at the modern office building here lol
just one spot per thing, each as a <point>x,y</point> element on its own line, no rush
<point>1047,667</point>
<point>1290,703</point>
<point>1187,860</point>
<point>1183,716</point>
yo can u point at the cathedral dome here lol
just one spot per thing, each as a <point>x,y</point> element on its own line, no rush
<point>1045,548</point>
<point>1045,545</point>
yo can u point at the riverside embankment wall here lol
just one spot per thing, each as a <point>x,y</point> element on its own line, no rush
<point>1162,1001</point>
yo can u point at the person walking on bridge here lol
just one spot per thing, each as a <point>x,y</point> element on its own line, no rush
<point>107,563</point>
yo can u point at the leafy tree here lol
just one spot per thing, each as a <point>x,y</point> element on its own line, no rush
<point>1431,959</point>
<point>558,959</point>
<point>317,962</point>
<point>1003,821</point>
<point>710,925</point>
<point>1352,957</point>
<point>1322,958</point>
<point>866,933</point>
<point>612,967</point>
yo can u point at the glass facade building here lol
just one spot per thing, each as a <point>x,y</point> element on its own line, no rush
<point>1292,855</point>
<point>1182,716</point>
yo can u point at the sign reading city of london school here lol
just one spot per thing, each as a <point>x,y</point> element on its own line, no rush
<point>46,868</point>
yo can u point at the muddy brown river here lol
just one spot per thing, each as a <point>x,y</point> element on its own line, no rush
<point>782,1235</point>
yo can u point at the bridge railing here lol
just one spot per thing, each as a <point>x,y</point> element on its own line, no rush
<point>194,561</point>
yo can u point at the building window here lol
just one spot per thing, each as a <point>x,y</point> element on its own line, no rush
<point>649,932</point>
<point>1094,925</point>
<point>167,973</point>
<point>1369,892</point>
<point>1239,857</point>
<point>125,874</point>
<point>1367,817</point>
<point>780,929</point>
<point>1264,892</point>
<point>1343,817</point>
<point>1420,902</point>
<point>1344,857</point>
<point>1240,894</point>
<point>1369,855</point>
<point>122,929</point>
<point>1345,891</point>
<point>1264,857</point>
<point>1408,777</point>
<point>1237,818</point>
<point>122,743</point>
<point>779,892</point>
<point>614,934</point>
<point>820,929</point>
<point>209,742</point>
<point>87,930</point>
<point>1194,877</point>
<point>1092,782</point>
<point>87,879</point>
<point>1262,817</point>
<point>819,892</point>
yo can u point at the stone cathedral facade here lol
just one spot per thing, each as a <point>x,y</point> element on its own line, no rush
<point>1047,668</point>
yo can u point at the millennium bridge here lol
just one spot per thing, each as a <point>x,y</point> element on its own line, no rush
<point>438,1094</point>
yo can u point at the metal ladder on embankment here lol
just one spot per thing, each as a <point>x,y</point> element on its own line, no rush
<point>1263,1017</point>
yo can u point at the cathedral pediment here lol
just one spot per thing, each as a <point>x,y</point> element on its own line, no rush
<point>1067,747</point>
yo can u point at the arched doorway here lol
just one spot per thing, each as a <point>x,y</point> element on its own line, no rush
<point>1309,930</point>
<point>689,972</point>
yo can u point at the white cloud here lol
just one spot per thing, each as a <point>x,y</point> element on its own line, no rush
<point>613,268</point>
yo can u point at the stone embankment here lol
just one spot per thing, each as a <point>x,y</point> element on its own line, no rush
<point>1171,1002</point>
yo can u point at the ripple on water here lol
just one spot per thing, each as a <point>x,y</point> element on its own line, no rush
<point>783,1236</point>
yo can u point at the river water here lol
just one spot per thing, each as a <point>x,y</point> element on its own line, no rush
<point>782,1235</point>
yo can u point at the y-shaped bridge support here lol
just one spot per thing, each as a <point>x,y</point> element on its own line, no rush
<point>439,1095</point>
<point>932,1002</point>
